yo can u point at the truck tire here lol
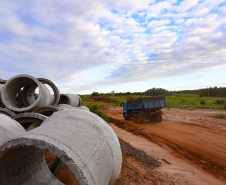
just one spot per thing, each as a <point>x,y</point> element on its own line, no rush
<point>140,119</point>
<point>135,118</point>
<point>158,118</point>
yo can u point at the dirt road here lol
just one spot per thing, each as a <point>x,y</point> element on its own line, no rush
<point>185,134</point>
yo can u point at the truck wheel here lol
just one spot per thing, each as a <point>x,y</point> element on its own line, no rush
<point>157,118</point>
<point>135,118</point>
<point>140,119</point>
<point>160,118</point>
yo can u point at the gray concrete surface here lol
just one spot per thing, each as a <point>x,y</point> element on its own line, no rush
<point>80,139</point>
<point>46,110</point>
<point>64,106</point>
<point>9,129</point>
<point>7,112</point>
<point>84,108</point>
<point>1,103</point>
<point>28,84</point>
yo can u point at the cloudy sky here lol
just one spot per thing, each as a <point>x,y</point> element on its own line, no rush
<point>121,45</point>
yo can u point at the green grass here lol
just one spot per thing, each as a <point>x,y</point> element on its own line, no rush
<point>94,108</point>
<point>219,116</point>
<point>182,101</point>
<point>192,101</point>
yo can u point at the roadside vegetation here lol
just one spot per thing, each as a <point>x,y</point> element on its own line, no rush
<point>94,108</point>
<point>209,98</point>
<point>219,116</point>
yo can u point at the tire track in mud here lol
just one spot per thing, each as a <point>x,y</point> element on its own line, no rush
<point>216,169</point>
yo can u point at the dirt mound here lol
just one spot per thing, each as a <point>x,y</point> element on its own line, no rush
<point>102,99</point>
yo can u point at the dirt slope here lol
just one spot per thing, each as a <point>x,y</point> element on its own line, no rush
<point>200,139</point>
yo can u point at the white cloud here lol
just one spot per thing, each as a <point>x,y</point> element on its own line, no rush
<point>99,43</point>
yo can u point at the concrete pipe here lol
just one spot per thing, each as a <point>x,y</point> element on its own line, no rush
<point>54,88</point>
<point>19,83</point>
<point>29,120</point>
<point>1,103</point>
<point>7,112</point>
<point>46,110</point>
<point>64,106</point>
<point>84,108</point>
<point>70,99</point>
<point>9,129</point>
<point>80,139</point>
<point>2,81</point>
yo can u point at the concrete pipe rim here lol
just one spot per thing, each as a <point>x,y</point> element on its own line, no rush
<point>54,88</point>
<point>35,118</point>
<point>49,108</point>
<point>7,112</point>
<point>21,142</point>
<point>11,80</point>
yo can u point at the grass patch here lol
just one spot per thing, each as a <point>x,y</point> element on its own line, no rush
<point>94,108</point>
<point>182,101</point>
<point>218,116</point>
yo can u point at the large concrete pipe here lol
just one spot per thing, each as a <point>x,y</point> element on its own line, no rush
<point>54,88</point>
<point>80,139</point>
<point>19,83</point>
<point>9,129</point>
<point>46,110</point>
<point>71,99</point>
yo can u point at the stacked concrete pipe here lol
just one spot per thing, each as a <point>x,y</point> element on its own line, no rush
<point>71,99</point>
<point>14,85</point>
<point>80,139</point>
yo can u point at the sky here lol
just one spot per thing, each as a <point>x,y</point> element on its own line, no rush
<point>115,45</point>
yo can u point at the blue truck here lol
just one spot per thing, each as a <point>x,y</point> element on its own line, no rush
<point>144,108</point>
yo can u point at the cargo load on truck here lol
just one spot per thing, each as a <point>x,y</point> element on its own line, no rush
<point>144,108</point>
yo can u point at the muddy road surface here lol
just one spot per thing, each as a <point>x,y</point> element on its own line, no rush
<point>188,135</point>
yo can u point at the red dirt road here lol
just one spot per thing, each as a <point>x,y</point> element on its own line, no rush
<point>202,140</point>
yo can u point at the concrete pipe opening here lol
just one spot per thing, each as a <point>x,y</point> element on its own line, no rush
<point>70,99</point>
<point>46,110</point>
<point>56,96</point>
<point>29,120</point>
<point>28,85</point>
<point>80,139</point>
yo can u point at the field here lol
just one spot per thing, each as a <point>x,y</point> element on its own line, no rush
<point>183,101</point>
<point>189,144</point>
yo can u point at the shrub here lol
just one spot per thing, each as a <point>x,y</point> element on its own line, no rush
<point>182,101</point>
<point>95,94</point>
<point>220,101</point>
<point>202,102</point>
<point>94,108</point>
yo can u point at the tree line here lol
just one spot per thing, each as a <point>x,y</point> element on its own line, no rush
<point>205,92</point>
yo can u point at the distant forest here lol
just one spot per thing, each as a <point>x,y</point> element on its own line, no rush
<point>206,92</point>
